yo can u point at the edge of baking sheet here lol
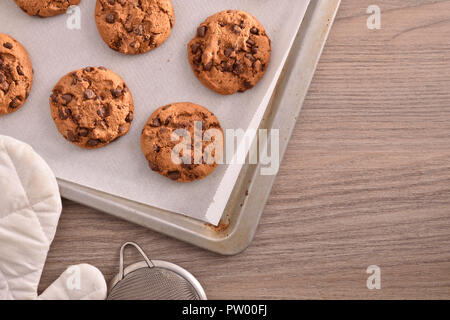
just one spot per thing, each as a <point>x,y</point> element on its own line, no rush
<point>246,204</point>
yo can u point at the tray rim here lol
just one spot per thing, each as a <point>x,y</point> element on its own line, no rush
<point>244,209</point>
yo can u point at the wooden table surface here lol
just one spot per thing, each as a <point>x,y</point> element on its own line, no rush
<point>366,178</point>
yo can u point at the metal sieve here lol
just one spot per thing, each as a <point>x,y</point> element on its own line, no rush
<point>153,280</point>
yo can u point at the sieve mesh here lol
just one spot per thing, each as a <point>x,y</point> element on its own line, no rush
<point>153,284</point>
<point>154,280</point>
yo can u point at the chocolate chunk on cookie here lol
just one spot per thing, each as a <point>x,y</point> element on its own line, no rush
<point>45,8</point>
<point>92,107</point>
<point>230,52</point>
<point>16,74</point>
<point>134,27</point>
<point>200,141</point>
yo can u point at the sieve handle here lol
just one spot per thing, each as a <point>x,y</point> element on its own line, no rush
<point>122,249</point>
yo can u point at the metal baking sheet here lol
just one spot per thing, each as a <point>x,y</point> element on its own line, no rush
<point>151,82</point>
<point>246,204</point>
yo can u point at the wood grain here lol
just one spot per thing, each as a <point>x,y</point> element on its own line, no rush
<point>366,178</point>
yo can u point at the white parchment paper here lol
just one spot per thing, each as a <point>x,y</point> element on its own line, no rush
<point>156,78</point>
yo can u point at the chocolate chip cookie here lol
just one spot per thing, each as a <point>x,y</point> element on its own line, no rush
<point>134,27</point>
<point>45,8</point>
<point>92,107</point>
<point>16,74</point>
<point>199,132</point>
<point>230,52</point>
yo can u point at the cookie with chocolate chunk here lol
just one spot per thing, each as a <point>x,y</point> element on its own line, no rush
<point>198,143</point>
<point>134,27</point>
<point>92,107</point>
<point>16,74</point>
<point>45,8</point>
<point>230,52</point>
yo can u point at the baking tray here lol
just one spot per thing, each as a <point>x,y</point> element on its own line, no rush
<point>246,204</point>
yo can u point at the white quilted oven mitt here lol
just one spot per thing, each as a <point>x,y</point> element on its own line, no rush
<point>30,206</point>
